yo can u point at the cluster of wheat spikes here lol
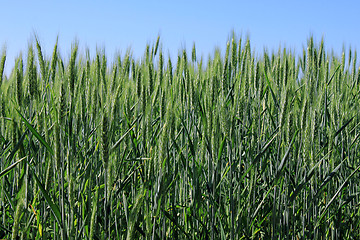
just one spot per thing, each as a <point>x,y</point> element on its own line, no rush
<point>237,147</point>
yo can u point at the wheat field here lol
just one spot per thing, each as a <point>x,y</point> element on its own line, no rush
<point>236,146</point>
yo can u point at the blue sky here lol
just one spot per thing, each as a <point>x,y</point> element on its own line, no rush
<point>117,25</point>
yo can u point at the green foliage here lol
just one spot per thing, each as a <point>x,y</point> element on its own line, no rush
<point>238,148</point>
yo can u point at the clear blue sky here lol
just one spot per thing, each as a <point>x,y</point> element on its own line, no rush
<point>117,25</point>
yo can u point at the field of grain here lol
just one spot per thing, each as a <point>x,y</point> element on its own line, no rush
<point>237,146</point>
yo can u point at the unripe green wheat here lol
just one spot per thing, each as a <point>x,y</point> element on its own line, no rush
<point>147,54</point>
<point>94,104</point>
<point>257,82</point>
<point>178,66</point>
<point>2,105</point>
<point>290,131</point>
<point>151,80</point>
<point>161,66</point>
<point>113,79</point>
<point>193,53</point>
<point>283,106</point>
<point>239,55</point>
<point>224,79</point>
<point>73,70</point>
<point>144,99</point>
<point>93,214</point>
<point>19,91</point>
<point>162,105</point>
<point>138,83</point>
<point>57,147</point>
<point>54,62</point>
<point>98,70</point>
<point>103,72</point>
<point>62,104</point>
<point>133,70</point>
<point>162,146</point>
<point>233,56</point>
<point>343,61</point>
<point>17,216</point>
<point>239,134</point>
<point>224,118</point>
<point>41,60</point>
<point>184,60</point>
<point>321,54</point>
<point>32,76</point>
<point>156,45</point>
<point>2,66</point>
<point>170,71</point>
<point>279,71</point>
<point>14,133</point>
<point>285,78</point>
<point>304,113</point>
<point>105,140</point>
<point>353,74</point>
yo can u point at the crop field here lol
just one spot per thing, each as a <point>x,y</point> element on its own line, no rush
<point>235,146</point>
